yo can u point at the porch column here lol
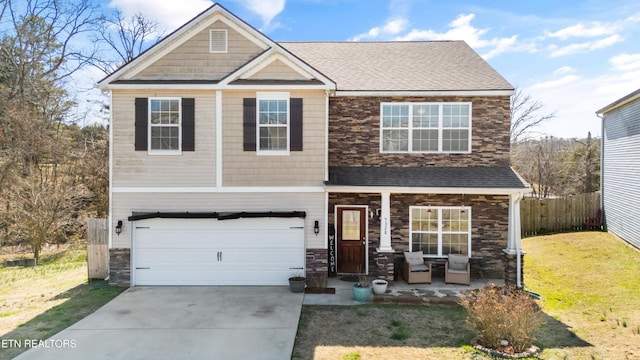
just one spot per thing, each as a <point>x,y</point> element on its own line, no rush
<point>385,223</point>
<point>514,238</point>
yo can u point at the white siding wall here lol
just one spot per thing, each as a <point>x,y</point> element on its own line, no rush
<point>313,203</point>
<point>621,172</point>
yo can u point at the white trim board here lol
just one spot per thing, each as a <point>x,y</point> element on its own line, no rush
<point>213,189</point>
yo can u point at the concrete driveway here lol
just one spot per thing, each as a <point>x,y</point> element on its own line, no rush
<point>224,322</point>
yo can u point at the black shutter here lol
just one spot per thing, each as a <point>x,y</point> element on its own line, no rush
<point>141,123</point>
<point>188,124</point>
<point>295,117</point>
<point>249,124</point>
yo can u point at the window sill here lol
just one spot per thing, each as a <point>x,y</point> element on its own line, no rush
<point>163,153</point>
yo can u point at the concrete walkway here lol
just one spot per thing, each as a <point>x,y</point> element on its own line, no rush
<point>220,322</point>
<point>436,293</point>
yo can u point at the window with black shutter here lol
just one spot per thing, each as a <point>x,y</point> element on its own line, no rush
<point>165,125</point>
<point>272,124</point>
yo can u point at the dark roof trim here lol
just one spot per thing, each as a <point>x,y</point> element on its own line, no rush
<point>468,177</point>
<point>165,82</point>
<point>275,82</point>
<point>217,215</point>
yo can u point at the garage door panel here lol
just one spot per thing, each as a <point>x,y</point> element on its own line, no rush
<point>255,252</point>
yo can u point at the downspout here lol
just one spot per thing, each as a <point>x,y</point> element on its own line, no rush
<point>518,237</point>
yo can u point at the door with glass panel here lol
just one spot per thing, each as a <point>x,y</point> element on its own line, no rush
<point>351,239</point>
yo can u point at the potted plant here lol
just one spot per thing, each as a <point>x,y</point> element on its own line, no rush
<point>297,283</point>
<point>379,286</point>
<point>361,289</point>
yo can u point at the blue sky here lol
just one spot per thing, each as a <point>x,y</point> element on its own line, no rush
<point>573,56</point>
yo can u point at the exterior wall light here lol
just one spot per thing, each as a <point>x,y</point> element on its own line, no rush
<point>316,227</point>
<point>119,227</point>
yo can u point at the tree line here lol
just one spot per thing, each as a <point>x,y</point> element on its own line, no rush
<point>54,172</point>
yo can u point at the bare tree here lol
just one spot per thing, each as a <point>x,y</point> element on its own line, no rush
<point>526,115</point>
<point>126,37</point>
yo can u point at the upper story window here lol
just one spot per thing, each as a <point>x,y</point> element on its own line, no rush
<point>425,127</point>
<point>440,231</point>
<point>273,123</point>
<point>164,125</point>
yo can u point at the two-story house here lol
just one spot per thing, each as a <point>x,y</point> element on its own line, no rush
<point>234,158</point>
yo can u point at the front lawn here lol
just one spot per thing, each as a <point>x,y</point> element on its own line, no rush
<point>590,283</point>
<point>38,302</point>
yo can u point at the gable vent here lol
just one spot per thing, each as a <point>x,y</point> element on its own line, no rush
<point>218,41</point>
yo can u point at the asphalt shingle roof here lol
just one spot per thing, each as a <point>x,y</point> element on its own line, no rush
<point>496,177</point>
<point>400,66</point>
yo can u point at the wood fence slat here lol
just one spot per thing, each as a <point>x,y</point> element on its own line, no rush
<point>97,248</point>
<point>569,213</point>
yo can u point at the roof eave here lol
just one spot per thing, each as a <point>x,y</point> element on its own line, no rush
<point>481,92</point>
<point>620,102</point>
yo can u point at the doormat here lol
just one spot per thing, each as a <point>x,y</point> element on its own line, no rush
<point>350,278</point>
<point>320,290</point>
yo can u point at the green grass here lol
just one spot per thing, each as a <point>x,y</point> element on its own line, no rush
<point>590,285</point>
<point>40,301</point>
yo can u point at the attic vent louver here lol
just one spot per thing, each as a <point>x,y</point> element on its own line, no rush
<point>218,41</point>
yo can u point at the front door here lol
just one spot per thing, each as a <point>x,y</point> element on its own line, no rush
<point>351,239</point>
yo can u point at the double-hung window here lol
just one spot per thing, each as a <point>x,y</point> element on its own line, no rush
<point>425,127</point>
<point>440,231</point>
<point>273,123</point>
<point>165,116</point>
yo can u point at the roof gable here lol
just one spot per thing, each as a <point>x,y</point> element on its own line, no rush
<point>157,65</point>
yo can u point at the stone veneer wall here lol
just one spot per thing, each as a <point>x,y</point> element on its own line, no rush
<point>510,269</point>
<point>354,133</point>
<point>317,264</point>
<point>120,267</point>
<point>489,221</point>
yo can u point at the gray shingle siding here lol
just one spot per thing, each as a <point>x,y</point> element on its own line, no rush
<point>621,171</point>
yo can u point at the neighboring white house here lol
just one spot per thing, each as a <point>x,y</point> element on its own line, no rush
<point>620,184</point>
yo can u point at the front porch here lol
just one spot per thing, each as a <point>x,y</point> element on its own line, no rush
<point>436,293</point>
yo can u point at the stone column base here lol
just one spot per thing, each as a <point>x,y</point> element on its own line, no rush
<point>120,267</point>
<point>510,266</point>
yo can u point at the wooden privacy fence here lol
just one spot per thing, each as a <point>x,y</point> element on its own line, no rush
<point>539,216</point>
<point>97,248</point>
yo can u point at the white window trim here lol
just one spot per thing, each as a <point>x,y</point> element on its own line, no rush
<point>440,232</point>
<point>151,151</point>
<point>440,128</point>
<point>226,41</point>
<point>273,96</point>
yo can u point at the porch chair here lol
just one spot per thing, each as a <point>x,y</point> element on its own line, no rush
<point>415,269</point>
<point>457,270</point>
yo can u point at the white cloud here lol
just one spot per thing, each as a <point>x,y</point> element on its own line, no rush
<point>625,62</point>
<point>575,99</point>
<point>165,12</point>
<point>390,28</point>
<point>557,51</point>
<point>267,10</point>
<point>594,29</point>
<point>564,70</point>
<point>462,29</point>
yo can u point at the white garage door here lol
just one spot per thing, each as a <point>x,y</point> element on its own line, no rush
<point>261,251</point>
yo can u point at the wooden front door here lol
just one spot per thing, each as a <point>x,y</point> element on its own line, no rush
<point>351,239</point>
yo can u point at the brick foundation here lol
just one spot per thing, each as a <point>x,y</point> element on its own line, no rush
<point>120,267</point>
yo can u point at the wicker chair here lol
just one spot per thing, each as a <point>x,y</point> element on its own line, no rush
<point>457,270</point>
<point>414,269</point>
